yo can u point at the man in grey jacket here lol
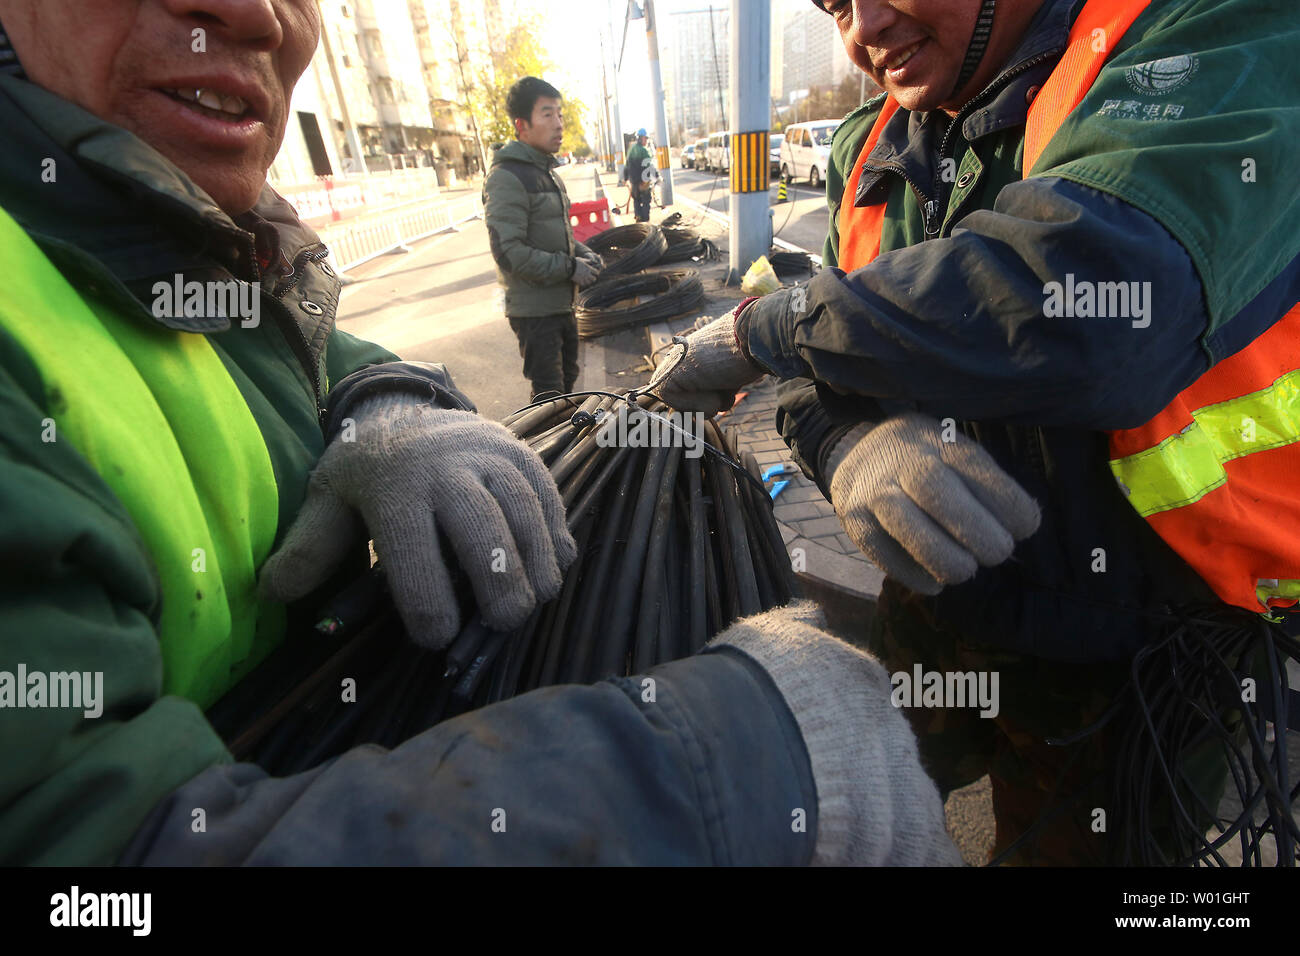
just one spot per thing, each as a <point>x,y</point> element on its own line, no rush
<point>539,264</point>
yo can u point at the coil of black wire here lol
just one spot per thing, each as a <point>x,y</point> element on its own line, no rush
<point>684,243</point>
<point>674,543</point>
<point>629,249</point>
<point>786,264</point>
<point>672,294</point>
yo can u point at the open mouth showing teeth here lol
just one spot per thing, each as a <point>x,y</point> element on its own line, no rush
<point>898,59</point>
<point>210,102</point>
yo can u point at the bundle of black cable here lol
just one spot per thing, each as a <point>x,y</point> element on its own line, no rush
<point>675,541</point>
<point>787,264</point>
<point>624,302</point>
<point>628,249</point>
<point>684,243</point>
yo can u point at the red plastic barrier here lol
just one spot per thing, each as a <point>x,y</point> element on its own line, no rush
<point>588,218</point>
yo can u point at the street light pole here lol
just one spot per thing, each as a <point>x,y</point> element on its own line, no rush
<point>610,156</point>
<point>751,71</point>
<point>620,143</point>
<point>661,114</point>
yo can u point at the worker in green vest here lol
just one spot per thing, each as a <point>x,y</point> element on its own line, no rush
<point>1047,380</point>
<point>193,456</point>
<point>640,174</point>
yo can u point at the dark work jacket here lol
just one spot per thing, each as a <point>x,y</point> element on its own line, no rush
<point>1137,186</point>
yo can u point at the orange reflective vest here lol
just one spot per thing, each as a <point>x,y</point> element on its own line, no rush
<point>1214,472</point>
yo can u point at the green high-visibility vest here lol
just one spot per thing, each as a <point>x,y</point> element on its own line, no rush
<point>157,415</point>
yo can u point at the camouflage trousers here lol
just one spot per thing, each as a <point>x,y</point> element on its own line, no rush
<point>1061,791</point>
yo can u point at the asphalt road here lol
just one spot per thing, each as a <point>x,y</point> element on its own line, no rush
<point>440,303</point>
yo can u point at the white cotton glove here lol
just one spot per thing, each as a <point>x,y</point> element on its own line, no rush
<point>927,512</point>
<point>415,469</point>
<point>875,804</point>
<point>707,377</point>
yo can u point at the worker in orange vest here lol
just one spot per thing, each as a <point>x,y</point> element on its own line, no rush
<point>1050,380</point>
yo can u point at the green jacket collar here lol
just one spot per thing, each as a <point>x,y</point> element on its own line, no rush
<point>104,205</point>
<point>522,152</point>
<point>910,140</point>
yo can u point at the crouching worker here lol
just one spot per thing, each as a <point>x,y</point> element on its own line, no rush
<point>154,457</point>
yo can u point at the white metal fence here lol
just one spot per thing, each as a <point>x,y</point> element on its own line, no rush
<point>352,243</point>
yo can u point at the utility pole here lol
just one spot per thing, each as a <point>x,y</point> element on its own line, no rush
<point>619,142</point>
<point>751,76</point>
<point>610,153</point>
<point>661,108</point>
<point>349,131</point>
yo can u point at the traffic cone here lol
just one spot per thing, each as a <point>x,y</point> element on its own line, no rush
<point>780,192</point>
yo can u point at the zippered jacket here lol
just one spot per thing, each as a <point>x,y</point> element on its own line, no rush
<point>526,208</point>
<point>1167,179</point>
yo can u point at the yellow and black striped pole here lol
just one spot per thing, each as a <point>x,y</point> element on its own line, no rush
<point>750,162</point>
<point>748,206</point>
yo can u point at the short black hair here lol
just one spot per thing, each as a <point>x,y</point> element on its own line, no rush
<point>523,96</point>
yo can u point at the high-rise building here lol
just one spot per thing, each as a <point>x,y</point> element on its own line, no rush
<point>812,52</point>
<point>695,50</point>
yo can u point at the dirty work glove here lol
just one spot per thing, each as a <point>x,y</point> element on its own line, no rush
<point>713,368</point>
<point>875,805</point>
<point>415,469</point>
<point>926,511</point>
<point>584,272</point>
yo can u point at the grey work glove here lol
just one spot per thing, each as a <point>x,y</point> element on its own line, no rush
<point>926,511</point>
<point>707,377</point>
<point>875,804</point>
<point>412,470</point>
<point>585,272</point>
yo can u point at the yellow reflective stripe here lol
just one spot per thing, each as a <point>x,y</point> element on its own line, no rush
<point>1184,468</point>
<point>1285,590</point>
<point>750,162</point>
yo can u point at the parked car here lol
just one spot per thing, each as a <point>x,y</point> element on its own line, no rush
<point>702,153</point>
<point>776,140</point>
<point>688,156</point>
<point>719,152</point>
<point>807,149</point>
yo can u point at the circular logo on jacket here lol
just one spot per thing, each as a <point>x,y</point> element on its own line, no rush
<point>1162,76</point>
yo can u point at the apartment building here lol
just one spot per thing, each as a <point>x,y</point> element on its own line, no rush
<point>387,89</point>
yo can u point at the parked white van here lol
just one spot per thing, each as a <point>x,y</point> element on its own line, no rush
<point>807,149</point>
<point>719,153</point>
